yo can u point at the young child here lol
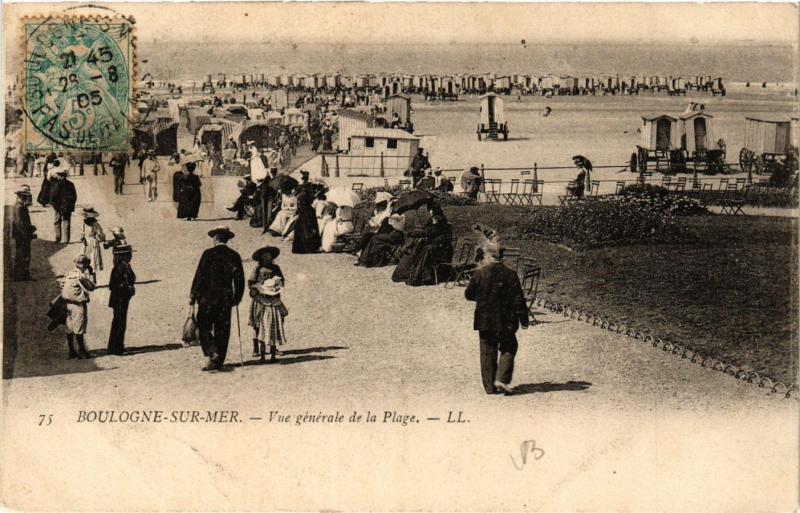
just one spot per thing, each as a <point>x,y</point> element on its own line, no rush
<point>93,237</point>
<point>269,312</point>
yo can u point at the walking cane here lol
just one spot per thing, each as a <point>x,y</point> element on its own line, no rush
<point>239,332</point>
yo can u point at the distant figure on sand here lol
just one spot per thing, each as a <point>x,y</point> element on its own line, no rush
<point>499,311</point>
<point>150,169</point>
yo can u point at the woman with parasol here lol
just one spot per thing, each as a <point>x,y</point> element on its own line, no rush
<point>425,248</point>
<point>382,248</point>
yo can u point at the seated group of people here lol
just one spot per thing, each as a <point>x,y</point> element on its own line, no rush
<point>417,253</point>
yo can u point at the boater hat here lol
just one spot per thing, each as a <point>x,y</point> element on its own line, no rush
<point>89,212</point>
<point>117,230</point>
<point>24,190</point>
<point>271,250</point>
<point>223,231</point>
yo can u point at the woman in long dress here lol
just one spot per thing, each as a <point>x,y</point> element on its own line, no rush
<point>189,194</point>
<point>93,237</point>
<point>266,310</point>
<point>285,215</point>
<point>333,229</point>
<point>306,231</point>
<point>424,249</point>
<point>383,247</point>
<point>379,222</point>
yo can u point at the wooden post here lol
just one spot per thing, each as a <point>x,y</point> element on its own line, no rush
<point>535,177</point>
<point>324,170</point>
<point>336,169</point>
<point>383,173</point>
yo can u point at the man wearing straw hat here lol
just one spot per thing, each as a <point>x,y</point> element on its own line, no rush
<point>500,310</point>
<point>23,232</point>
<point>218,285</point>
<point>150,169</point>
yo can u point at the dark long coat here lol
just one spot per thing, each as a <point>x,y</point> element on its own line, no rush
<point>63,196</point>
<point>382,249</point>
<point>500,301</point>
<point>423,250</point>
<point>189,196</point>
<point>306,229</point>
<point>219,279</point>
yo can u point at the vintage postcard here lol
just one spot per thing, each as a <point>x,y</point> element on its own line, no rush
<point>400,257</point>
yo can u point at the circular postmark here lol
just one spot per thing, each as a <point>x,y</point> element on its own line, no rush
<point>77,84</point>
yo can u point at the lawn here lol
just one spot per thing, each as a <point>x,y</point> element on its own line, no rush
<point>729,290</point>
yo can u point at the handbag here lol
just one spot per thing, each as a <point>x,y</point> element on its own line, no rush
<point>190,332</point>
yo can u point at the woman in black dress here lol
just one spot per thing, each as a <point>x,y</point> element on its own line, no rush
<point>382,247</point>
<point>189,194</point>
<point>306,230</point>
<point>424,249</point>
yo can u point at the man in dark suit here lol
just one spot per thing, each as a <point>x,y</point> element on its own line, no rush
<point>22,231</point>
<point>63,198</point>
<point>500,310</point>
<point>218,285</point>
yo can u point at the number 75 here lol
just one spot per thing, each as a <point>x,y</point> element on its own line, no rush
<point>45,420</point>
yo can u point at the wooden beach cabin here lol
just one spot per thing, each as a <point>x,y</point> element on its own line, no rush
<point>767,140</point>
<point>351,122</point>
<point>659,139</point>
<point>379,152</point>
<point>160,134</point>
<point>695,129</point>
<point>502,85</point>
<point>568,85</point>
<point>492,118</point>
<point>400,104</point>
<point>258,131</point>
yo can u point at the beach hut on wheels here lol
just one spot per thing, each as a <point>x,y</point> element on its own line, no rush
<point>550,84</point>
<point>697,140</point>
<point>766,141</point>
<point>379,152</point>
<point>659,139</point>
<point>216,132</point>
<point>568,85</point>
<point>492,118</point>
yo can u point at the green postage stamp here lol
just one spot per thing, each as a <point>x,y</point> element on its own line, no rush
<point>77,80</point>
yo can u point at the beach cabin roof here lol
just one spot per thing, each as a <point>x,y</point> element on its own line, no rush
<point>487,95</point>
<point>653,117</point>
<point>404,97</point>
<point>768,120</point>
<point>692,114</point>
<point>384,133</point>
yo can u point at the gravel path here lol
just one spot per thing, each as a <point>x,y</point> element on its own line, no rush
<point>597,402</point>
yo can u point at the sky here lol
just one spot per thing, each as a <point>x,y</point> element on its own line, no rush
<point>450,22</point>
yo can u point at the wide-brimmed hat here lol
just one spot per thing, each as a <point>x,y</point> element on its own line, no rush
<point>24,190</point>
<point>266,250</point>
<point>123,249</point>
<point>151,152</point>
<point>579,158</point>
<point>381,196</point>
<point>58,171</point>
<point>251,143</point>
<point>81,258</point>
<point>492,243</point>
<point>89,212</point>
<point>397,221</point>
<point>117,230</point>
<point>221,231</point>
<point>437,171</point>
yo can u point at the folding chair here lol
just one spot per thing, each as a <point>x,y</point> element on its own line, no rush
<point>349,241</point>
<point>462,265</point>
<point>512,197</point>
<point>531,190</point>
<point>570,194</point>
<point>680,186</point>
<point>439,243</point>
<point>666,182</point>
<point>594,190</point>
<point>491,190</point>
<point>512,254</point>
<point>405,184</point>
<point>620,187</point>
<point>530,287</point>
<point>732,201</point>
